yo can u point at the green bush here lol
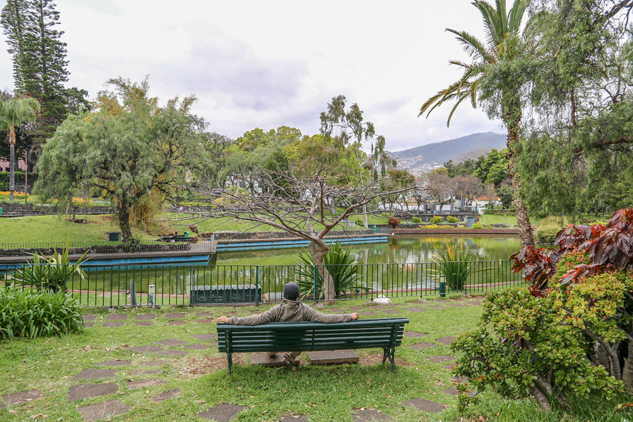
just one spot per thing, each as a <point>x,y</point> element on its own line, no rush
<point>488,212</point>
<point>437,219</point>
<point>547,234</point>
<point>452,219</point>
<point>477,226</point>
<point>416,220</point>
<point>28,313</point>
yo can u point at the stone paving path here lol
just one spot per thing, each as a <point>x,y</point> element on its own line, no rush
<point>294,419</point>
<point>146,349</point>
<point>93,374</point>
<point>114,363</point>
<point>175,316</point>
<point>87,391</point>
<point>143,323</point>
<point>178,322</point>
<point>370,415</point>
<point>133,385</point>
<point>104,410</point>
<point>166,395</point>
<point>441,359</point>
<point>112,324</point>
<point>14,399</point>
<point>446,341</point>
<point>116,317</point>
<point>89,317</point>
<point>222,412</point>
<point>171,342</point>
<point>415,310</point>
<point>145,317</point>
<point>204,337</point>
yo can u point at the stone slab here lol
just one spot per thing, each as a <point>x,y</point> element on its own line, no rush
<point>150,372</point>
<point>87,391</point>
<point>204,337</point>
<point>436,307</point>
<point>441,359</point>
<point>449,366</point>
<point>422,345</point>
<point>367,313</point>
<point>416,309</point>
<point>450,391</point>
<point>336,310</point>
<point>143,323</point>
<point>391,312</point>
<point>116,362</point>
<point>414,334</point>
<point>89,324</point>
<point>171,342</point>
<point>175,316</point>
<point>332,357</point>
<point>176,322</point>
<point>196,346</point>
<point>222,412</point>
<point>178,353</point>
<point>145,317</point>
<point>457,305</point>
<point>116,317</point>
<point>370,415</point>
<point>294,419</point>
<point>475,303</point>
<point>460,379</point>
<point>104,410</point>
<point>133,385</point>
<point>89,317</point>
<point>113,324</point>
<point>166,395</point>
<point>146,349</point>
<point>203,314</point>
<point>206,321</point>
<point>265,360</point>
<point>424,405</point>
<point>446,341</point>
<point>155,363</point>
<point>357,308</point>
<point>94,374</point>
<point>14,399</point>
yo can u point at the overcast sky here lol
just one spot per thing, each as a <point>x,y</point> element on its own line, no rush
<point>271,63</point>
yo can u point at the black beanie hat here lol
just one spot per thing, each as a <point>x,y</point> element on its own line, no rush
<point>291,291</point>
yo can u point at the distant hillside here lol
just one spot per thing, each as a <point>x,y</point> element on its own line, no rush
<point>421,159</point>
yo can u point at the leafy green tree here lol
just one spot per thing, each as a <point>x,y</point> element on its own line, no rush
<point>127,149</point>
<point>490,73</point>
<point>13,114</point>
<point>493,169</point>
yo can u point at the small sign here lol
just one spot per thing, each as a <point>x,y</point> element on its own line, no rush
<point>151,295</point>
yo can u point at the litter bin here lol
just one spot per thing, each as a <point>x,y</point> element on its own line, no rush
<point>113,236</point>
<point>186,235</point>
<point>0,210</point>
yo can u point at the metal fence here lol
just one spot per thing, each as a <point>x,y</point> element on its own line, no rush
<point>244,284</point>
<point>103,247</point>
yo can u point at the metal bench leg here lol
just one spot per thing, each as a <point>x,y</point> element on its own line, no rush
<point>230,359</point>
<point>392,358</point>
<point>385,352</point>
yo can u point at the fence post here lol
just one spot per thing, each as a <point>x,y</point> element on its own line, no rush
<point>256,285</point>
<point>442,286</point>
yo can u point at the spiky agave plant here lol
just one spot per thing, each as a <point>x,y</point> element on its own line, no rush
<point>341,265</point>
<point>50,274</point>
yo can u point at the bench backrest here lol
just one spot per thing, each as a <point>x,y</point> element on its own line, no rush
<point>311,336</point>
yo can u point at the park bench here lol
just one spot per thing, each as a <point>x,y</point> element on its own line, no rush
<point>385,333</point>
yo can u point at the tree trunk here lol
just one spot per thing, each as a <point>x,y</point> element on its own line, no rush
<point>540,396</point>
<point>11,171</point>
<point>318,253</point>
<point>523,219</point>
<point>124,222</point>
<point>627,372</point>
<point>365,216</point>
<point>333,205</point>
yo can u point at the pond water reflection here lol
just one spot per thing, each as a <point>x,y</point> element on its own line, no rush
<point>409,249</point>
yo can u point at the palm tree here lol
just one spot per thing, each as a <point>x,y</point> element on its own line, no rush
<point>504,39</point>
<point>12,114</point>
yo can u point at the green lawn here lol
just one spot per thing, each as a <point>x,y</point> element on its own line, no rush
<point>55,228</point>
<point>320,393</point>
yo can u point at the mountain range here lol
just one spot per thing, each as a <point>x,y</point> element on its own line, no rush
<point>424,158</point>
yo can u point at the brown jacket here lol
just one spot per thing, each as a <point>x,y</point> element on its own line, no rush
<point>291,311</point>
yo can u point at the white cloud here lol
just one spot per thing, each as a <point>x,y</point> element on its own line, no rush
<point>266,64</point>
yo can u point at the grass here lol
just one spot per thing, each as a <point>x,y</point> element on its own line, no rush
<point>498,219</point>
<point>320,393</point>
<point>55,228</point>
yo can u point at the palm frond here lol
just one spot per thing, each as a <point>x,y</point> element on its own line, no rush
<point>472,45</point>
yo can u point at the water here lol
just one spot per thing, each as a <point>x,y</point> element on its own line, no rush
<point>409,249</point>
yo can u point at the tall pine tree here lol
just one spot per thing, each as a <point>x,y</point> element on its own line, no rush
<point>39,62</point>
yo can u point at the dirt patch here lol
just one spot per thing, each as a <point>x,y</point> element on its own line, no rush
<point>83,221</point>
<point>206,365</point>
<point>376,359</point>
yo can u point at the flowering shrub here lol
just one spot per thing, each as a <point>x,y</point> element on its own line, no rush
<point>435,226</point>
<point>436,219</point>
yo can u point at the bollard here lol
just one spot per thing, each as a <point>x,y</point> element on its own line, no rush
<point>132,293</point>
<point>151,295</point>
<point>442,286</point>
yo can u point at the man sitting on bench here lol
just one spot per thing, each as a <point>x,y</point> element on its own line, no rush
<point>291,309</point>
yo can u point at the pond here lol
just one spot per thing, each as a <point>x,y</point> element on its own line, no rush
<point>409,249</point>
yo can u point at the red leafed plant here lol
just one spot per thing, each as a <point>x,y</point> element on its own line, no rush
<point>610,248</point>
